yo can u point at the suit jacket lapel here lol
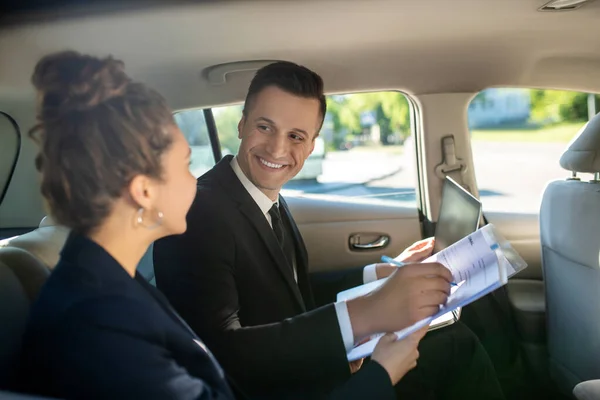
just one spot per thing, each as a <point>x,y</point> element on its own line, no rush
<point>252,212</point>
<point>162,301</point>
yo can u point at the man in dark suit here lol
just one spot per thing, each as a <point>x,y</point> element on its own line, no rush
<point>240,276</point>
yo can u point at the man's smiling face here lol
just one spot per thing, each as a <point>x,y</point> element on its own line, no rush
<point>277,134</point>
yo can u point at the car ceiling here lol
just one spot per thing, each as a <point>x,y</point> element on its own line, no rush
<point>419,46</point>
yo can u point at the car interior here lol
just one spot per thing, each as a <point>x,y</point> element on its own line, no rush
<point>438,54</point>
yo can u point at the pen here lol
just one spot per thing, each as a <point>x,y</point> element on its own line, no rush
<point>399,264</point>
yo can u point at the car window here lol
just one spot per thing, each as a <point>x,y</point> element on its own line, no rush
<point>518,136</point>
<point>360,152</point>
<point>193,125</point>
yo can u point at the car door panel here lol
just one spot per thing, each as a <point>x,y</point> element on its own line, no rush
<point>328,223</point>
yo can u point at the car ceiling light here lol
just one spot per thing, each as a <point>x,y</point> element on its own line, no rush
<point>563,5</point>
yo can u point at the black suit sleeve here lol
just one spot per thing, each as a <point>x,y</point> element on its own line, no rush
<point>197,271</point>
<point>371,382</point>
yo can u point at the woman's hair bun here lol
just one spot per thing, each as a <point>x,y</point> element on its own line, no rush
<point>97,130</point>
<point>69,81</point>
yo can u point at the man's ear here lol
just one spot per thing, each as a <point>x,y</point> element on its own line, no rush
<point>241,126</point>
<point>141,191</point>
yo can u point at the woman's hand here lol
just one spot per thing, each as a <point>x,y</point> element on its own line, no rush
<point>398,357</point>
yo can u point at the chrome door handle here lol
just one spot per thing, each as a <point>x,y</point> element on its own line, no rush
<point>379,243</point>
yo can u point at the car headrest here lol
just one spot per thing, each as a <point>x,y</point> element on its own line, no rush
<point>30,272</point>
<point>45,242</point>
<point>583,153</point>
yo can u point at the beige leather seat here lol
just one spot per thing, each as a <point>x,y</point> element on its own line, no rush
<point>570,236</point>
<point>44,243</point>
<point>25,264</point>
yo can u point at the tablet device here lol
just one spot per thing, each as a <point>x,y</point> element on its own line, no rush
<point>460,213</point>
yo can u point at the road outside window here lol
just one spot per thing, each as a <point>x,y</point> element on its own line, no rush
<point>518,136</point>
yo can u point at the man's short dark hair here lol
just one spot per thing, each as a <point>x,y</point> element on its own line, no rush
<point>291,78</point>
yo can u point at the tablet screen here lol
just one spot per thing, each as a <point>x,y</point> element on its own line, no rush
<point>459,215</point>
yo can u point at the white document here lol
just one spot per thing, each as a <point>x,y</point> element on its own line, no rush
<point>479,266</point>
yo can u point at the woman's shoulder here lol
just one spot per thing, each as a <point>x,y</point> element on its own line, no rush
<point>67,305</point>
<point>114,311</point>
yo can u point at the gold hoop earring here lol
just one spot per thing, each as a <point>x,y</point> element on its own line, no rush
<point>140,219</point>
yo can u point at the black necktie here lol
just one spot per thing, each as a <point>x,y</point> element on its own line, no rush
<point>277,224</point>
<point>279,228</point>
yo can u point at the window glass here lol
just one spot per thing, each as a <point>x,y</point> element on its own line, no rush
<point>518,136</point>
<point>193,125</point>
<point>361,152</point>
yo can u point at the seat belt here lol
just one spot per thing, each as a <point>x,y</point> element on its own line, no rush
<point>451,165</point>
<point>455,168</point>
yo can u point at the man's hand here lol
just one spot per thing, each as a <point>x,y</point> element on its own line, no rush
<point>415,253</point>
<point>418,251</point>
<point>412,293</point>
<point>384,270</point>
